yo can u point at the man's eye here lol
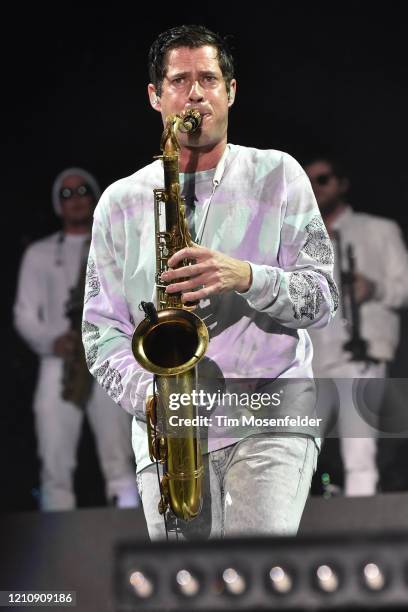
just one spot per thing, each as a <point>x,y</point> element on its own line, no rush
<point>178,80</point>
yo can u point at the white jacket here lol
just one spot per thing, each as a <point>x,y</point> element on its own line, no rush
<point>263,211</point>
<point>49,268</point>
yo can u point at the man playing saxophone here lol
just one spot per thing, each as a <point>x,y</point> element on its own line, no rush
<point>47,313</point>
<point>260,268</point>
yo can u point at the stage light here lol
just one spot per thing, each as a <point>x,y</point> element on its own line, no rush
<point>327,579</point>
<point>187,583</point>
<point>281,580</point>
<point>373,577</point>
<point>142,586</point>
<point>234,582</point>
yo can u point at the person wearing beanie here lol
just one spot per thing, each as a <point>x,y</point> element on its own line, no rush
<point>47,315</point>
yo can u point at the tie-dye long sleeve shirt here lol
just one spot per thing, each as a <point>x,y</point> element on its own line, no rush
<point>263,212</point>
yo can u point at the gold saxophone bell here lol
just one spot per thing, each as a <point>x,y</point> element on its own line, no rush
<point>170,342</point>
<point>173,344</point>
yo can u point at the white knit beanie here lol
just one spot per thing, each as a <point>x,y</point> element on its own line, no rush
<point>56,188</point>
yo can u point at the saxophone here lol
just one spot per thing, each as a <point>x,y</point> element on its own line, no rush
<point>170,341</point>
<point>77,381</point>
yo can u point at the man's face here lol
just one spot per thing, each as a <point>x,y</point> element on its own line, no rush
<point>77,200</point>
<point>328,188</point>
<point>194,79</point>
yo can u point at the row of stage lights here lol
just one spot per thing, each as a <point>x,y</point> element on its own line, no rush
<point>301,573</point>
<point>232,581</point>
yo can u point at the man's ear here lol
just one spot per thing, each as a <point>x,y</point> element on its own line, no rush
<point>232,92</point>
<point>153,97</point>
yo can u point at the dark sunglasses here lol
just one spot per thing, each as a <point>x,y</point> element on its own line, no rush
<point>82,190</point>
<point>322,179</point>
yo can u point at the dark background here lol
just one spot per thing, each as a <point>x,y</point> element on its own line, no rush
<point>310,75</point>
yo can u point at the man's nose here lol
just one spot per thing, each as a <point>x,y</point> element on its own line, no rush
<point>196,92</point>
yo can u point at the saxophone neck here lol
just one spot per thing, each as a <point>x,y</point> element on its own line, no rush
<point>169,142</point>
<point>189,121</point>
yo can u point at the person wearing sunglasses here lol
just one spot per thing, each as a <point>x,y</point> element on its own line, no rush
<point>47,314</point>
<point>371,263</point>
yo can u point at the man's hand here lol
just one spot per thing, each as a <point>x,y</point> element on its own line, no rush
<point>211,273</point>
<point>65,345</point>
<point>364,289</point>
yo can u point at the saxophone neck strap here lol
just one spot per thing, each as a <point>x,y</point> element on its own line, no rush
<point>219,172</point>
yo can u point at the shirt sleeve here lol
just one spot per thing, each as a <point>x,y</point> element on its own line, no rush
<point>29,307</point>
<point>301,291</point>
<point>107,326</point>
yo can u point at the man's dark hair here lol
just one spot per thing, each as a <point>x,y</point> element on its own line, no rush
<point>192,36</point>
<point>337,165</point>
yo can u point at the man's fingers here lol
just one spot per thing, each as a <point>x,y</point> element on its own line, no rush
<point>187,253</point>
<point>183,286</point>
<point>193,252</point>
<point>200,294</point>
<point>184,272</point>
<point>196,282</point>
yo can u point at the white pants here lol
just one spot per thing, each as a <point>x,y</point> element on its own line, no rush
<point>58,427</point>
<point>358,439</point>
<point>258,486</point>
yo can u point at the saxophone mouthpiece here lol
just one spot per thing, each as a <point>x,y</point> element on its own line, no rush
<point>191,120</point>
